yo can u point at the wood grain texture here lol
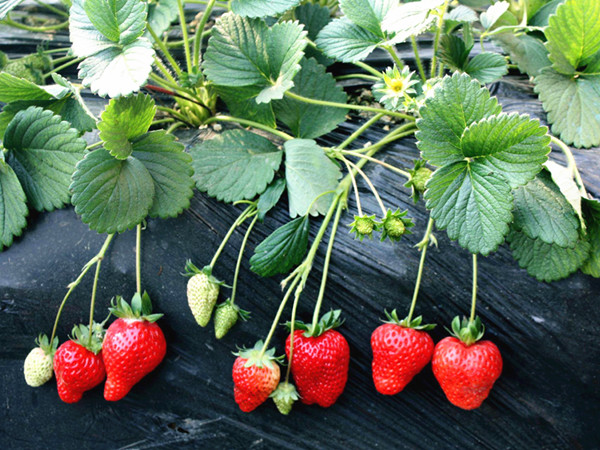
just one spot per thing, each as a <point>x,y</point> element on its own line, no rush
<point>546,398</point>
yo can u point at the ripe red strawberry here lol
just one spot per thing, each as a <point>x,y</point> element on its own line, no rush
<point>466,369</point>
<point>401,349</point>
<point>133,346</point>
<point>78,365</point>
<point>320,360</point>
<point>255,376</point>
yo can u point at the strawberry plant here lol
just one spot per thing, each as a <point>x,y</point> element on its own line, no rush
<point>265,71</point>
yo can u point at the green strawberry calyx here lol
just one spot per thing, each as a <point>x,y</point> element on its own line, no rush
<point>242,314</point>
<point>419,176</point>
<point>468,331</point>
<point>255,356</point>
<point>363,226</point>
<point>140,308</point>
<point>44,343</point>
<point>191,270</point>
<point>284,397</point>
<point>81,335</point>
<point>395,225</point>
<point>328,321</point>
<point>415,323</point>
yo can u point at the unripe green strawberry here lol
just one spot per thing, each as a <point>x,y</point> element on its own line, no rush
<point>421,177</point>
<point>363,226</point>
<point>226,316</point>
<point>19,69</point>
<point>38,367</point>
<point>284,397</point>
<point>395,225</point>
<point>202,292</point>
<point>38,61</point>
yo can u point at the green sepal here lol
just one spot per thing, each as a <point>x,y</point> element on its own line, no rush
<point>413,323</point>
<point>43,342</point>
<point>192,79</point>
<point>191,270</point>
<point>419,176</point>
<point>140,308</point>
<point>466,330</point>
<point>328,321</point>
<point>363,226</point>
<point>254,357</point>
<point>81,335</point>
<point>284,397</point>
<point>395,225</point>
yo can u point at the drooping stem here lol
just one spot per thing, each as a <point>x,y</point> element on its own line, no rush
<point>292,329</point>
<point>423,245</point>
<point>241,218</point>
<point>368,68</point>
<point>138,259</point>
<point>474,294</point>
<point>93,300</point>
<point>352,76</point>
<point>163,48</point>
<point>365,126</point>
<point>371,186</point>
<point>8,21</point>
<point>313,101</point>
<point>378,161</point>
<point>240,257</point>
<point>356,194</point>
<point>571,164</point>
<point>334,228</point>
<point>54,9</point>
<point>392,51</point>
<point>436,40</point>
<point>184,31</point>
<point>75,283</point>
<point>200,30</point>
<point>415,47</point>
<point>63,66</point>
<point>249,123</point>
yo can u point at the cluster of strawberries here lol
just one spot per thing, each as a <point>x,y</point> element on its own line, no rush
<point>465,367</point>
<point>133,346</point>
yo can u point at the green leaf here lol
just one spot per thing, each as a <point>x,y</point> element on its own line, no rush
<point>547,262</point>
<point>542,212</point>
<point>245,52</point>
<point>311,121</point>
<point>161,15</point>
<point>473,203</point>
<point>13,209</point>
<point>309,173</point>
<point>410,19</point>
<point>270,197</point>
<point>487,67</point>
<point>540,18</point>
<point>345,41</point>
<point>573,36</point>
<point>111,195</point>
<point>74,110</point>
<point>511,145</point>
<point>461,14</point>
<point>261,8</point>
<point>112,68</point>
<point>171,170</point>
<point>123,119</point>
<point>563,178</point>
<point>572,105</point>
<point>241,102</point>
<point>591,210</point>
<point>314,18</point>
<point>458,102</point>
<point>7,6</point>
<point>121,21</point>
<point>235,165</point>
<point>528,52</point>
<point>367,14</point>
<point>282,249</point>
<point>492,14</point>
<point>14,89</point>
<point>43,151</point>
<point>454,52</point>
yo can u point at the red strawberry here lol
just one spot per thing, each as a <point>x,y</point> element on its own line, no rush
<point>133,346</point>
<point>78,365</point>
<point>320,360</point>
<point>466,369</point>
<point>400,351</point>
<point>255,376</point>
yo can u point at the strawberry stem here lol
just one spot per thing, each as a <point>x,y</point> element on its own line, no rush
<point>371,186</point>
<point>355,187</point>
<point>200,31</point>
<point>249,123</point>
<point>93,300</point>
<point>423,245</point>
<point>184,32</point>
<point>138,258</point>
<point>240,257</point>
<point>474,295</point>
<point>75,283</point>
<point>571,164</point>
<point>292,329</point>
<point>241,218</point>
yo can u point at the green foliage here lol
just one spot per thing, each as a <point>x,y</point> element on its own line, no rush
<point>7,6</point>
<point>367,14</point>
<point>13,209</point>
<point>245,52</point>
<point>309,173</point>
<point>307,120</point>
<point>528,52</point>
<point>482,154</point>
<point>160,16</point>
<point>108,34</point>
<point>591,210</point>
<point>487,67</point>
<point>314,18</point>
<point>282,249</point>
<point>261,8</point>
<point>235,165</point>
<point>489,18</point>
<point>270,197</point>
<point>410,19</point>
<point>345,41</point>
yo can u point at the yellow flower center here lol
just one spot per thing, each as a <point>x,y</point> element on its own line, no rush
<point>396,84</point>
